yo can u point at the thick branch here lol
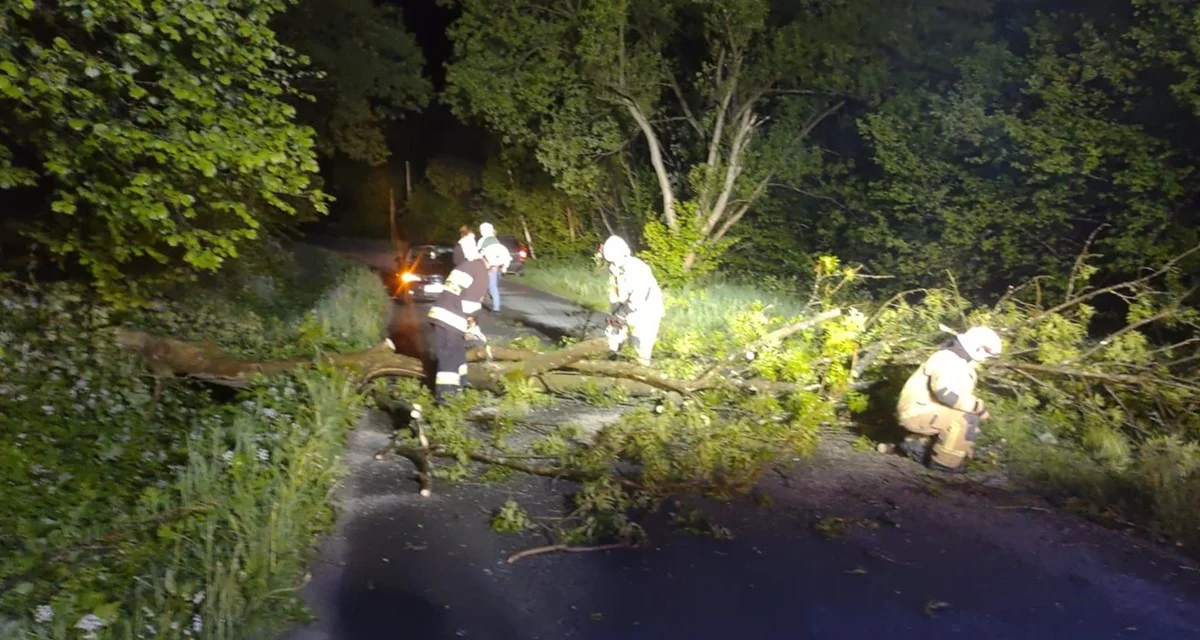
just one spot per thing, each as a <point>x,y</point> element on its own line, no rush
<point>544,362</point>
<point>1116,378</point>
<point>733,169</point>
<point>210,363</point>
<point>714,144</point>
<point>656,160</point>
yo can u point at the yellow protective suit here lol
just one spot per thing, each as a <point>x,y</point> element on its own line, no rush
<point>939,401</point>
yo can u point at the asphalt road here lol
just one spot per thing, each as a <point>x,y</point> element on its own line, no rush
<point>1003,565</point>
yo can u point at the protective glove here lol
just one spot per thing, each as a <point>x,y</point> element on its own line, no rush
<point>474,333</point>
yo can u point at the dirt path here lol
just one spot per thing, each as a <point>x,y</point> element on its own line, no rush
<point>1006,565</point>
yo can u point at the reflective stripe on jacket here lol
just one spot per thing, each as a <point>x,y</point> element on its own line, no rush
<point>946,379</point>
<point>461,296</point>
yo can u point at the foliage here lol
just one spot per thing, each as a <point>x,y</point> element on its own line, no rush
<point>722,97</point>
<point>140,506</point>
<point>286,304</point>
<point>367,80</point>
<point>1006,171</point>
<point>511,518</point>
<point>680,255</point>
<point>520,195</point>
<point>163,151</point>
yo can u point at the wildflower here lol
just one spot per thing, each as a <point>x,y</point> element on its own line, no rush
<point>270,413</point>
<point>227,456</point>
<point>90,623</point>
<point>48,409</point>
<point>44,614</point>
<point>263,455</point>
<point>197,624</point>
<point>198,598</point>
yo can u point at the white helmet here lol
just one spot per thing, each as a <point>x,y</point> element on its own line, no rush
<point>496,254</point>
<point>486,229</point>
<point>615,250</point>
<point>980,343</point>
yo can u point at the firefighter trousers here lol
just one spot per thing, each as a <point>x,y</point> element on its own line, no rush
<point>450,350</point>
<point>953,433</point>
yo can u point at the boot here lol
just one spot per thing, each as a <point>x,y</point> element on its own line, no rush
<point>959,470</point>
<point>916,448</point>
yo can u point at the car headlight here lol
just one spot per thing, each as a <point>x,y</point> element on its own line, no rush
<point>409,277</point>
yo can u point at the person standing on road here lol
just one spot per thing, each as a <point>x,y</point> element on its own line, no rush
<point>487,238</point>
<point>467,248</point>
<point>453,318</point>
<point>938,403</point>
<point>636,299</point>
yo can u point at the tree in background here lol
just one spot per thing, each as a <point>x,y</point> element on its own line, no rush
<point>1005,172</point>
<point>372,73</point>
<point>519,196</point>
<point>713,101</point>
<point>155,141</point>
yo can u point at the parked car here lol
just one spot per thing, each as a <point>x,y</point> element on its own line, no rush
<point>422,272</point>
<point>519,251</point>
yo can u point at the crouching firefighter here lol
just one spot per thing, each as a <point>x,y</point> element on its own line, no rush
<point>453,318</point>
<point>938,405</point>
<point>636,299</point>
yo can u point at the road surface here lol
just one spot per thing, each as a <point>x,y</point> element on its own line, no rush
<point>958,559</point>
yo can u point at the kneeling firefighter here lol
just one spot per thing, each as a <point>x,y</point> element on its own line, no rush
<point>938,403</point>
<point>636,299</point>
<point>453,317</point>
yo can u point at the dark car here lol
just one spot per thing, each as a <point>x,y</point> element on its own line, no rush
<point>520,254</point>
<point>423,272</point>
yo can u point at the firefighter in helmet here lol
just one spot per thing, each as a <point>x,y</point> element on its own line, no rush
<point>453,317</point>
<point>938,405</point>
<point>636,299</point>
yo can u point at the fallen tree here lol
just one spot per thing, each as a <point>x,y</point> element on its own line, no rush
<point>760,389</point>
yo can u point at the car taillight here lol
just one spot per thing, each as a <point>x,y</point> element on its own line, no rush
<point>409,277</point>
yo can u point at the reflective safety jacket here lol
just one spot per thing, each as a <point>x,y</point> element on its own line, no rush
<point>633,289</point>
<point>461,296</point>
<point>947,379</point>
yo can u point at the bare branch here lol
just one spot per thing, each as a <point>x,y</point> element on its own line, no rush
<point>1116,287</point>
<point>683,104</point>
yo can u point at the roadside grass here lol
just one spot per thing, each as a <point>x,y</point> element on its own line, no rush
<point>1100,455</point>
<point>144,506</point>
<point>699,307</point>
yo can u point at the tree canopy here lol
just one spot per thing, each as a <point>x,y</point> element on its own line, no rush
<point>159,134</point>
<point>698,106</point>
<point>372,72</point>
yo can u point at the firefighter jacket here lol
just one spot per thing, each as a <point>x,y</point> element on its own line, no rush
<point>946,379</point>
<point>633,289</point>
<point>466,250</point>
<point>462,296</point>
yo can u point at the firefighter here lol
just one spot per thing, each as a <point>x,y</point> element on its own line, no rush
<point>636,299</point>
<point>453,318</point>
<point>487,238</point>
<point>467,248</point>
<point>938,404</point>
